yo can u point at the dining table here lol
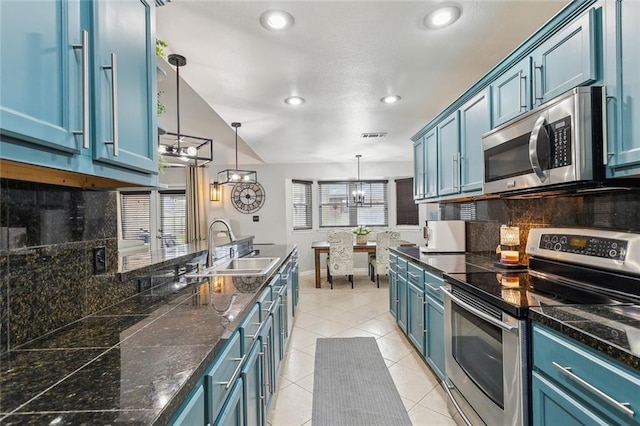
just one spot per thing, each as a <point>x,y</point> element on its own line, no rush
<point>320,247</point>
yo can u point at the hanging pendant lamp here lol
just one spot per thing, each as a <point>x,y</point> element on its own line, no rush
<point>236,175</point>
<point>190,150</point>
<point>358,194</point>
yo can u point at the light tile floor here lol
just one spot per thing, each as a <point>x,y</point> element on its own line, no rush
<point>343,312</point>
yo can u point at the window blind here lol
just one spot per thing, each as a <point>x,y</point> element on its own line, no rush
<point>406,208</point>
<point>134,211</point>
<point>173,214</point>
<point>338,208</point>
<point>301,195</point>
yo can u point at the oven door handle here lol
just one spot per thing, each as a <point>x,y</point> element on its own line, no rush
<point>533,147</point>
<point>503,325</point>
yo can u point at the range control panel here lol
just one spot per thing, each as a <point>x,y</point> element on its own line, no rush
<point>585,245</point>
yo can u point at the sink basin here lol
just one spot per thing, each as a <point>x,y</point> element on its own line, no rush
<point>248,266</point>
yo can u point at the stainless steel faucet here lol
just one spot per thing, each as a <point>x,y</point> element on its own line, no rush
<point>210,244</point>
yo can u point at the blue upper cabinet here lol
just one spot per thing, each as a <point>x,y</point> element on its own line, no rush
<point>622,82</point>
<point>431,164</point>
<point>510,92</point>
<point>475,120</point>
<point>566,60</point>
<point>123,63</point>
<point>41,85</point>
<point>448,156</point>
<point>418,170</point>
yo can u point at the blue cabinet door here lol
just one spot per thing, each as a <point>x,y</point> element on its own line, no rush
<point>41,86</point>
<point>475,120</point>
<point>553,406</point>
<point>566,60</point>
<point>393,293</point>
<point>448,156</point>
<point>266,339</point>
<point>431,164</point>
<point>402,303</point>
<point>415,316</point>
<point>434,343</point>
<point>418,169</point>
<point>192,411</point>
<point>510,94</point>
<point>124,73</point>
<point>252,377</point>
<point>232,412</point>
<point>622,82</point>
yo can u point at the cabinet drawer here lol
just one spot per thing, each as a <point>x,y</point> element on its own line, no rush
<point>586,373</point>
<point>402,267</point>
<point>220,377</point>
<point>432,285</point>
<point>393,261</point>
<point>266,303</point>
<point>249,328</point>
<point>415,275</point>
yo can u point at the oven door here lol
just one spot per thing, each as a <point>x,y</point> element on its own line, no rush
<point>484,360</point>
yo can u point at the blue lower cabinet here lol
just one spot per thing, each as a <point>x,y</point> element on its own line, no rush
<point>434,338</point>
<point>402,303</point>
<point>266,340</point>
<point>193,410</point>
<point>415,314</point>
<point>554,406</point>
<point>232,412</point>
<point>253,392</point>
<point>221,377</point>
<point>393,293</point>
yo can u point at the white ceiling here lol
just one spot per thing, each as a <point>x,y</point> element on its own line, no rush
<point>342,57</point>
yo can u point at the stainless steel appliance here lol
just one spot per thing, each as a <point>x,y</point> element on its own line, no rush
<point>486,324</point>
<point>559,144</point>
<point>444,236</point>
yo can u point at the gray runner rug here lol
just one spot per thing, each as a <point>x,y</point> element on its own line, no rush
<point>352,386</point>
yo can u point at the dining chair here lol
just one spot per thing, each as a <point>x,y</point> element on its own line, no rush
<point>379,264</point>
<point>340,260</point>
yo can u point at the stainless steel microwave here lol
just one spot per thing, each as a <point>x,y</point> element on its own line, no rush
<point>559,144</point>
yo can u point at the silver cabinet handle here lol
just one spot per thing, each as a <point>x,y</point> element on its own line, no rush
<point>234,376</point>
<point>523,91</point>
<point>433,288</point>
<point>605,140</point>
<point>114,102</point>
<point>533,147</point>
<point>479,313</point>
<point>84,46</point>
<point>533,79</point>
<point>623,406</point>
<point>259,324</point>
<point>269,308</point>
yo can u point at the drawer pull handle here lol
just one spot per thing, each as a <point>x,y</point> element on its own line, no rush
<point>412,275</point>
<point>114,103</point>
<point>622,406</point>
<point>433,288</point>
<point>84,46</point>
<point>258,331</point>
<point>270,306</point>
<point>234,376</point>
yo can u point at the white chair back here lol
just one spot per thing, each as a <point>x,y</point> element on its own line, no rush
<point>384,240</point>
<point>340,253</point>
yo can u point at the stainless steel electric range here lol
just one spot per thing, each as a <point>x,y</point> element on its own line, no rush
<point>486,314</point>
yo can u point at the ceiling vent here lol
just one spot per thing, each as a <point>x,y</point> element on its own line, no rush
<point>374,135</point>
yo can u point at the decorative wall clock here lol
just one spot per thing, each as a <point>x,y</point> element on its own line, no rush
<point>248,197</point>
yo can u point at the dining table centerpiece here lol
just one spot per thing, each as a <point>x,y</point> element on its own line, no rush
<point>361,232</point>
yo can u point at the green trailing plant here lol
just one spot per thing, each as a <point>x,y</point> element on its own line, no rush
<point>160,46</point>
<point>160,105</point>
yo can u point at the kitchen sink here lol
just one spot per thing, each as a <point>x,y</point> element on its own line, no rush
<point>248,266</point>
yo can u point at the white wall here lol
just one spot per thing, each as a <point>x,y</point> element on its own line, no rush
<point>274,224</point>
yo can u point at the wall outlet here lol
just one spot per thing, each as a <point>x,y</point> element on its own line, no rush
<point>144,283</point>
<point>256,218</point>
<point>99,260</point>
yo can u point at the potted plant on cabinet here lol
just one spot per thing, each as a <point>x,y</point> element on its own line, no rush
<point>361,232</point>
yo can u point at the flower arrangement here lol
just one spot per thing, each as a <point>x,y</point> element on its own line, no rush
<point>361,230</point>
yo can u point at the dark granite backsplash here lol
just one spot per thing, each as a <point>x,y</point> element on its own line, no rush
<point>616,210</point>
<point>47,236</point>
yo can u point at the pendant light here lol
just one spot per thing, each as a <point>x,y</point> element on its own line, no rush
<point>188,149</point>
<point>236,175</point>
<point>358,194</point>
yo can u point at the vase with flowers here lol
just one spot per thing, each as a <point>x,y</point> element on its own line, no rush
<point>361,232</point>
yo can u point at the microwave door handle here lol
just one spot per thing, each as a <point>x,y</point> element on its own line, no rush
<point>533,148</point>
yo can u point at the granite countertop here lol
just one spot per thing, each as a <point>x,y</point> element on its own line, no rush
<point>447,263</point>
<point>611,330</point>
<point>132,363</point>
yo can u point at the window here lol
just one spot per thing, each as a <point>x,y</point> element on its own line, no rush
<point>301,204</point>
<point>337,207</point>
<point>406,208</point>
<point>157,218</point>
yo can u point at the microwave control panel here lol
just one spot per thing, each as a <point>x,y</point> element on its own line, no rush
<point>585,245</point>
<point>560,141</point>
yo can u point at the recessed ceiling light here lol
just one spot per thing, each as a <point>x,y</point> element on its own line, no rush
<point>442,16</point>
<point>276,20</point>
<point>390,99</point>
<point>294,100</point>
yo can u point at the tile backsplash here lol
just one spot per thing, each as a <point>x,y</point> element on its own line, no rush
<point>47,235</point>
<point>615,210</point>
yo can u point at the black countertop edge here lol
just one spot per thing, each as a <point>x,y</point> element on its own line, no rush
<point>601,346</point>
<point>413,254</point>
